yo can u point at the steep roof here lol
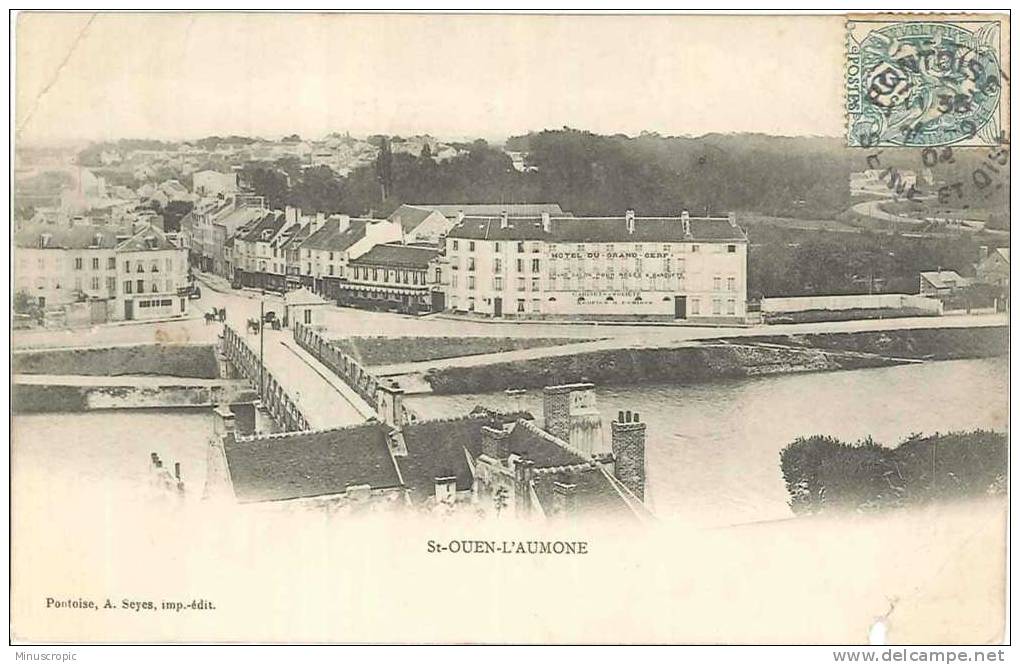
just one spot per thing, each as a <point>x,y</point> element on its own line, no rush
<point>595,494</point>
<point>436,448</point>
<point>410,216</point>
<point>310,464</point>
<point>598,229</point>
<point>147,239</point>
<point>400,256</point>
<point>493,209</point>
<point>332,237</point>
<point>944,279</point>
<point>271,221</point>
<point>237,219</point>
<point>81,236</point>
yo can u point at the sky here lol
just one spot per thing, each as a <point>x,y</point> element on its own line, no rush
<point>188,75</point>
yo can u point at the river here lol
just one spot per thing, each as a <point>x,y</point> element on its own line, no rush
<point>712,451</point>
<point>712,454</point>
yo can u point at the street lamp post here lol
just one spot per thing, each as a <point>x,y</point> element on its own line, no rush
<point>262,344</point>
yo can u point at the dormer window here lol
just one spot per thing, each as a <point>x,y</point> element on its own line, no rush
<point>97,240</point>
<point>44,240</point>
<point>150,242</point>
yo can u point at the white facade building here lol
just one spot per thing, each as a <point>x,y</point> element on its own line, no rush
<point>628,267</point>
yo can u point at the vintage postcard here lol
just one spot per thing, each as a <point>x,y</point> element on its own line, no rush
<point>511,329</point>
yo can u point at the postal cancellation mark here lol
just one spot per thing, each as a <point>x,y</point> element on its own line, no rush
<point>923,83</point>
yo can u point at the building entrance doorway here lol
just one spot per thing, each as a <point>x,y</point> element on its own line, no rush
<point>680,307</point>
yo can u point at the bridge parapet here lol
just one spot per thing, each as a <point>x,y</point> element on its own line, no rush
<point>281,406</point>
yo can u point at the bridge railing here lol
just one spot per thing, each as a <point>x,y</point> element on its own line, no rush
<point>274,397</point>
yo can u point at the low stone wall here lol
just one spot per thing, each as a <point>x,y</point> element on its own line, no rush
<point>727,358</point>
<point>340,363</point>
<point>183,360</point>
<point>274,398</point>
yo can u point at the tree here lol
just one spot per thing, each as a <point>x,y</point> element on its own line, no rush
<point>384,168</point>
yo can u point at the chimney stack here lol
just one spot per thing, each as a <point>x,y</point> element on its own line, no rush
<point>290,215</point>
<point>504,220</point>
<point>630,221</point>
<point>564,498</point>
<point>494,442</point>
<point>344,222</point>
<point>546,222</point>
<point>629,452</point>
<point>320,220</point>
<point>446,488</point>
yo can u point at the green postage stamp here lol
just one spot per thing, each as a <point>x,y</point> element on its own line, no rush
<point>922,81</point>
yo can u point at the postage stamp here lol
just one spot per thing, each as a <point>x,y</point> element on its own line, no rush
<point>925,82</point>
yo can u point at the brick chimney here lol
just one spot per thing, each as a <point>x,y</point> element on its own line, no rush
<point>629,452</point>
<point>571,415</point>
<point>494,442</point>
<point>524,474</point>
<point>446,488</point>
<point>564,498</point>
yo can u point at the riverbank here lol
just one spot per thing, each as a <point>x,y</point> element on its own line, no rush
<point>726,358</point>
<point>194,361</point>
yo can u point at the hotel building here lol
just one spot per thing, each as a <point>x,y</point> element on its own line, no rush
<point>627,267</point>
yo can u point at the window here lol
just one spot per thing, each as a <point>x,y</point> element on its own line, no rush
<point>127,287</point>
<point>534,283</point>
<point>716,306</point>
<point>471,245</point>
<point>308,316</point>
<point>386,275</point>
<point>331,256</point>
<point>731,249</point>
<point>111,263</point>
<point>731,306</point>
<point>471,263</point>
<point>520,283</point>
<point>496,247</point>
<point>375,274</point>
<point>471,284</point>
<point>535,265</point>
<point>77,263</point>
<point>580,248</point>
<point>498,265</point>
<point>520,265</point>
<point>455,246</point>
<point>695,248</point>
<point>95,283</point>
<point>731,283</point>
<point>95,263</point>
<point>453,280</point>
<point>520,305</point>
<point>140,286</point>
<point>111,284</point>
<point>695,306</point>
<point>717,283</point>
<point>520,246</point>
<point>497,283</point>
<point>331,269</point>
<point>169,265</point>
<point>439,275</point>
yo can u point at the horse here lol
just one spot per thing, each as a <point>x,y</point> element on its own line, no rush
<point>253,325</point>
<point>209,317</point>
<point>222,314</point>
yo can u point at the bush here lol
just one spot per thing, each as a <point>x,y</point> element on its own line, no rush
<point>823,473</point>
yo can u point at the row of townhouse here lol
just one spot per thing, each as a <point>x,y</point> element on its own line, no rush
<point>122,273</point>
<point>531,261</point>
